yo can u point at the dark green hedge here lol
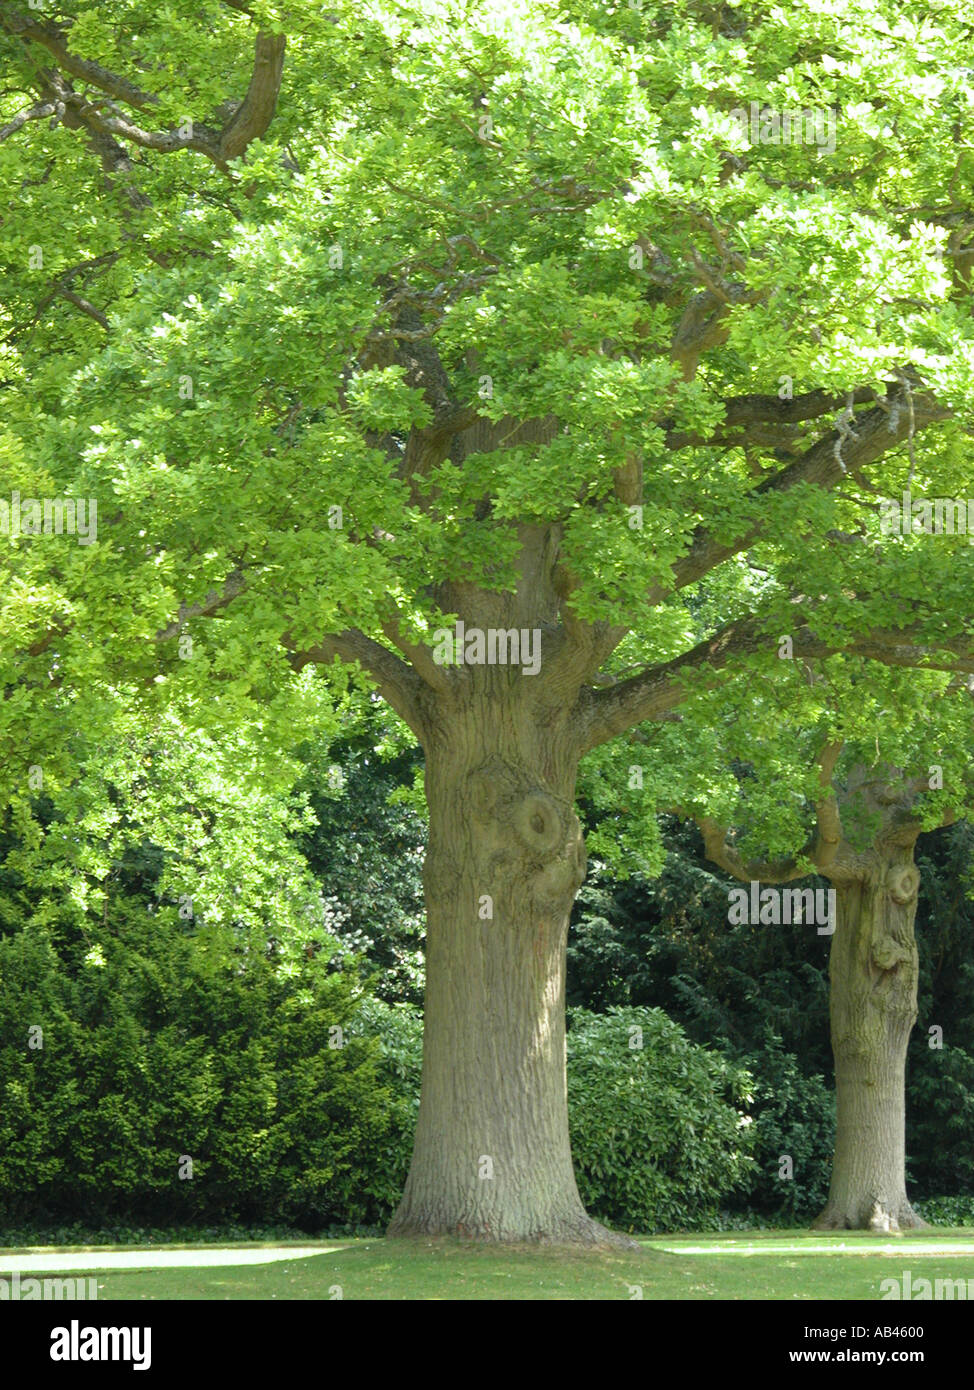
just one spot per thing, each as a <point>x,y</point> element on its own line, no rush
<point>178,1048</point>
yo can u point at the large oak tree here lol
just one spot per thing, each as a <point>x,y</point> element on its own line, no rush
<point>361,322</point>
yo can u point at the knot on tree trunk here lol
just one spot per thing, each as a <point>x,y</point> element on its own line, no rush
<point>903,882</point>
<point>538,823</point>
<point>526,828</point>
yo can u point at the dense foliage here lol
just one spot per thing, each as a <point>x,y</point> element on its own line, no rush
<point>365,849</point>
<point>659,1129</point>
<point>158,1047</point>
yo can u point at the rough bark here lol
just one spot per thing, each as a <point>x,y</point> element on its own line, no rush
<point>873,971</point>
<point>492,1158</point>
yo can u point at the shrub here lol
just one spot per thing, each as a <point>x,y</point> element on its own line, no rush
<point>399,1030</point>
<point>159,1046</point>
<point>947,1211</point>
<point>794,1115</point>
<point>659,1133</point>
<point>940,1117</point>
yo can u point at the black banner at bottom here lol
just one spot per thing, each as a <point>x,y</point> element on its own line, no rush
<point>167,1339</point>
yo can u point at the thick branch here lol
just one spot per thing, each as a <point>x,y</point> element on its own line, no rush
<point>876,432</point>
<point>256,112</point>
<point>438,677</point>
<point>654,692</point>
<point>85,305</point>
<point>397,682</point>
<point>51,37</point>
<point>32,113</point>
<point>249,122</point>
<point>769,413</point>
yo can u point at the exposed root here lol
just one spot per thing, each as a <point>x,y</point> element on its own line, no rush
<point>875,1217</point>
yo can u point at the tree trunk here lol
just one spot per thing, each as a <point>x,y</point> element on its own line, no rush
<point>873,972</point>
<point>505,859</point>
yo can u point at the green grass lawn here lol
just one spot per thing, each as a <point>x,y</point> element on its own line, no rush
<point>384,1269</point>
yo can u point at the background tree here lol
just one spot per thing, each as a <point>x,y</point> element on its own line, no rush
<point>874,972</point>
<point>867,817</point>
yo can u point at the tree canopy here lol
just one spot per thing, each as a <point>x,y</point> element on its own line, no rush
<point>471,278</point>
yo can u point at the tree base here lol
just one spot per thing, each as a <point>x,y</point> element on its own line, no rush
<point>871,1216</point>
<point>580,1233</point>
